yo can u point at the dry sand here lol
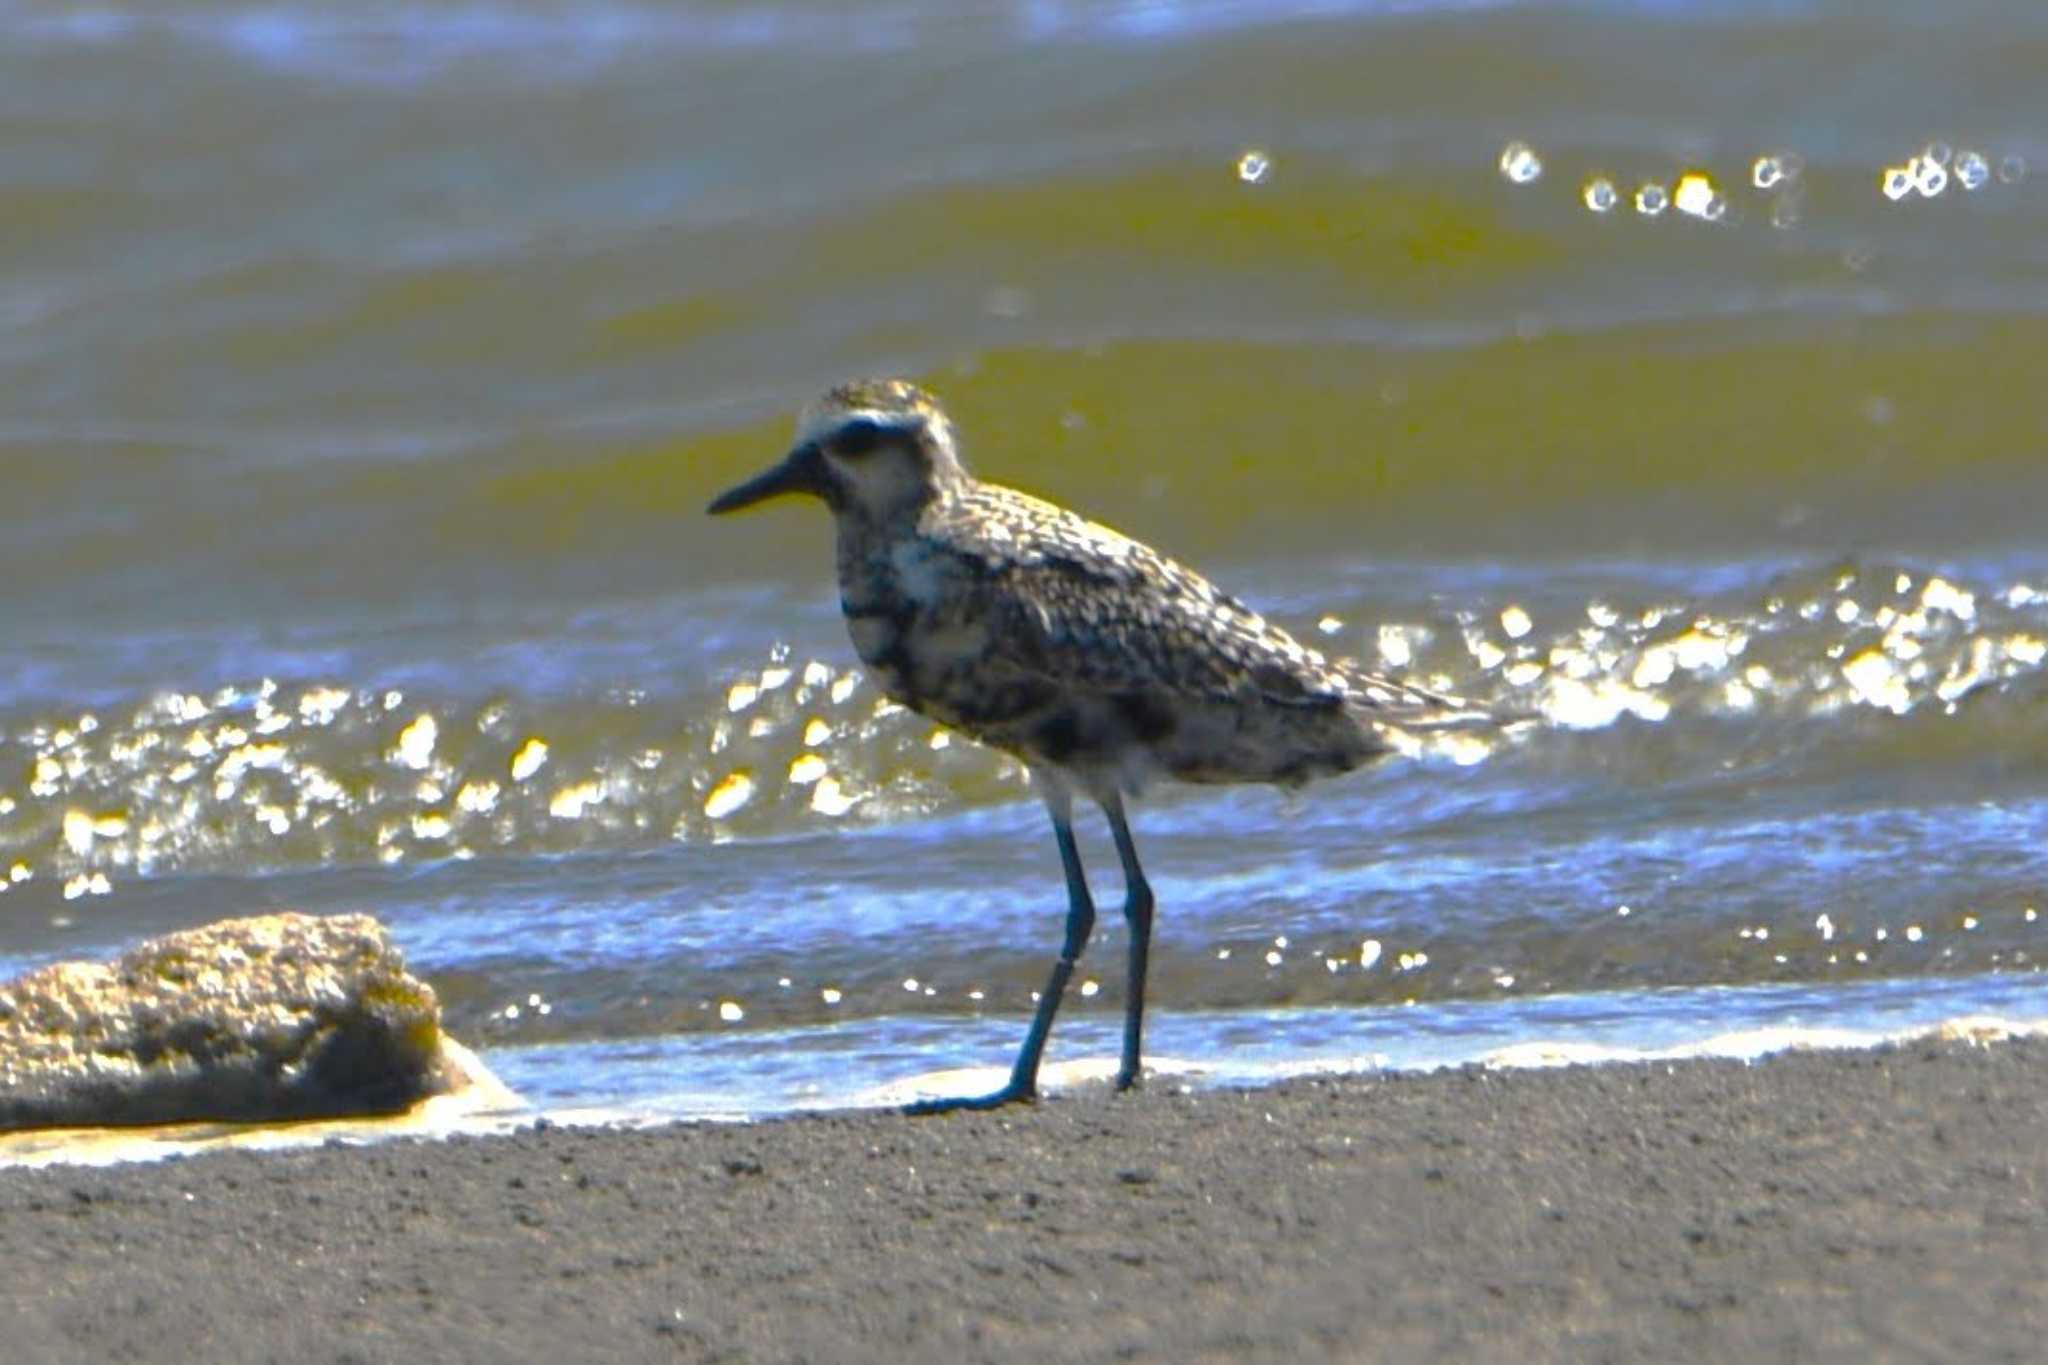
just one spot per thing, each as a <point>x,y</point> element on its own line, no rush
<point>1887,1205</point>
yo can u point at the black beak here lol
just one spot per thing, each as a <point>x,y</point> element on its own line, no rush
<point>801,471</point>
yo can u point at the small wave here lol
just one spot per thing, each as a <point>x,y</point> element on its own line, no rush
<point>1831,663</point>
<point>888,1061</point>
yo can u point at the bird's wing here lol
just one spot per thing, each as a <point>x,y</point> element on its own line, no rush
<point>1087,608</point>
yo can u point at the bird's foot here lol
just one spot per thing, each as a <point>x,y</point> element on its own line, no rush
<point>1009,1094</point>
<point>1127,1081</point>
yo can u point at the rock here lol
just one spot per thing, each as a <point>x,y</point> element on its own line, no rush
<point>283,1016</point>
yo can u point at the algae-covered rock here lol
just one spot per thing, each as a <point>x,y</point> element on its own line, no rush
<point>277,1017</point>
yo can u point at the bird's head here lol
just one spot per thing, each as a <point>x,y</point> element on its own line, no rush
<point>875,448</point>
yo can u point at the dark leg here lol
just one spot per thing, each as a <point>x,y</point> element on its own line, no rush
<point>1137,915</point>
<point>1023,1084</point>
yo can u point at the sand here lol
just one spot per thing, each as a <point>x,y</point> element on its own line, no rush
<point>1888,1205</point>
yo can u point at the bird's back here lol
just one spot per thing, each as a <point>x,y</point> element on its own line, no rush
<point>1065,642</point>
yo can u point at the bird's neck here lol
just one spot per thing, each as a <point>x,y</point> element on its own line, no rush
<point>865,537</point>
<point>876,545</point>
<point>879,521</point>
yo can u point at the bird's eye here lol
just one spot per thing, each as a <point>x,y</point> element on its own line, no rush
<point>857,437</point>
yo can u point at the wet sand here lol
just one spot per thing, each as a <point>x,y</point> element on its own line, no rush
<point>1888,1205</point>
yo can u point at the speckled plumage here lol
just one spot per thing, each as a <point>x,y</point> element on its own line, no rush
<point>1067,643</point>
<point>1094,658</point>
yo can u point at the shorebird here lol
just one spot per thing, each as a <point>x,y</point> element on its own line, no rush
<point>1096,660</point>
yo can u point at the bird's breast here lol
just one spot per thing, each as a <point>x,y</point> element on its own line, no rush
<point>921,620</point>
<point>920,655</point>
<point>880,634</point>
<point>899,594</point>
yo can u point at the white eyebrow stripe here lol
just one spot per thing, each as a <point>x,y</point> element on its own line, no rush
<point>828,423</point>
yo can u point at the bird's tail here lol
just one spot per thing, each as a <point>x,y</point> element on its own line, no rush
<point>1388,701</point>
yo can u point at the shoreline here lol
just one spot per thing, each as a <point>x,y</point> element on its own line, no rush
<point>1890,1203</point>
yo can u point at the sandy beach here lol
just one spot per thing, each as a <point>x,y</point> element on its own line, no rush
<point>1883,1205</point>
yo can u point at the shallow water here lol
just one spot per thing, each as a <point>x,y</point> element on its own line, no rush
<point>369,369</point>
